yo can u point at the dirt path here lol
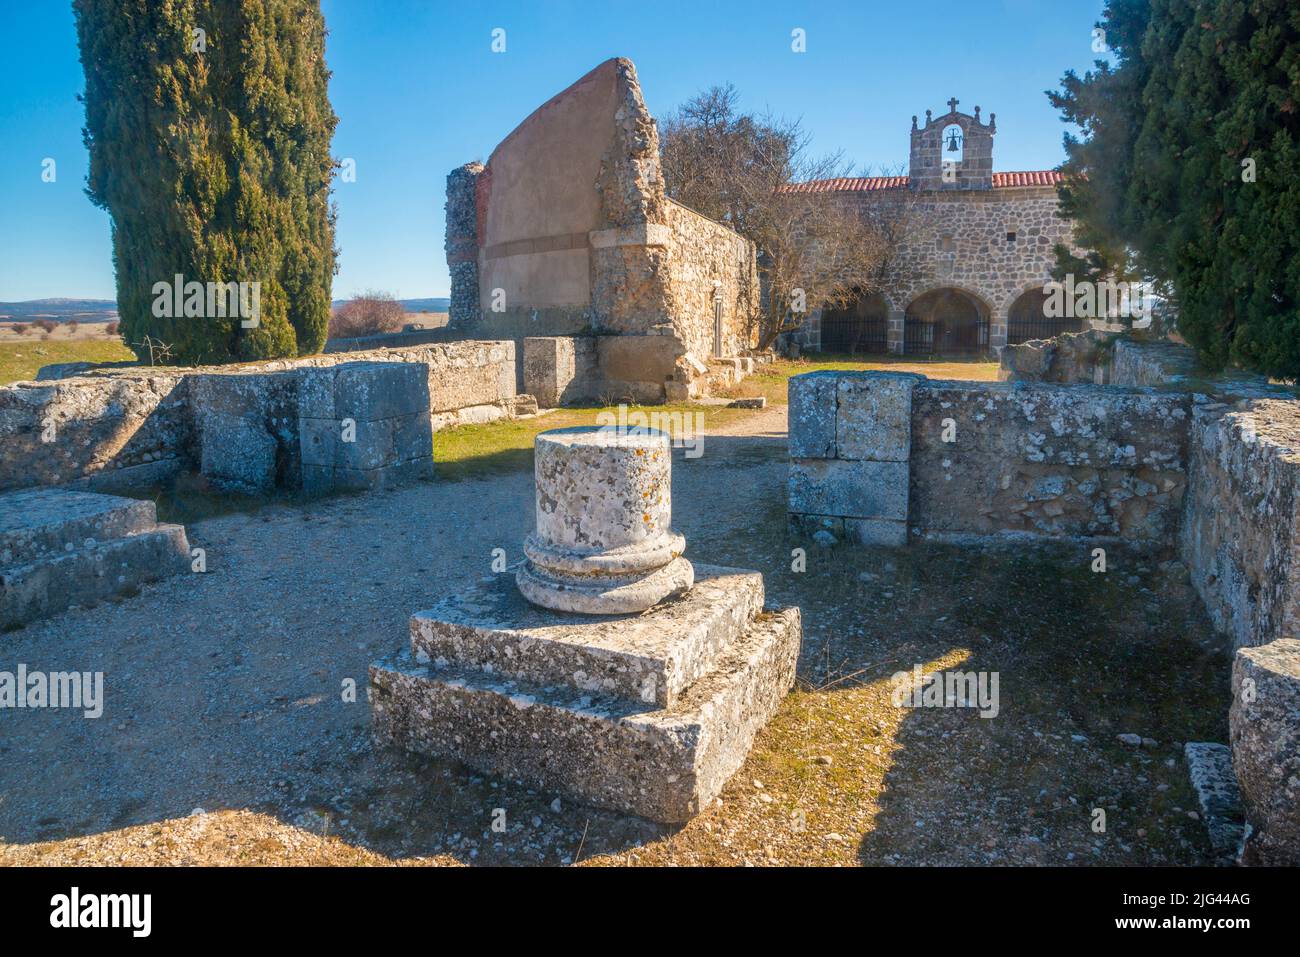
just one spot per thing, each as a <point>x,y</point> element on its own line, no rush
<point>230,693</point>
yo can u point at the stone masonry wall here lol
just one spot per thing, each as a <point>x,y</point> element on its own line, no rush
<point>1047,460</point>
<point>986,459</point>
<point>1240,538</point>
<point>711,261</point>
<point>123,428</point>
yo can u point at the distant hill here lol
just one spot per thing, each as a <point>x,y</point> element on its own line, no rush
<point>105,310</point>
<point>435,304</point>
<point>60,310</point>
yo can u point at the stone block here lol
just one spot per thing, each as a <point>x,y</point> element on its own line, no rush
<point>874,417</point>
<point>812,414</point>
<point>663,764</point>
<point>549,366</point>
<point>876,531</point>
<point>98,546</point>
<point>651,658</point>
<point>40,523</point>
<point>236,451</point>
<point>852,489</point>
<point>1264,725</point>
<point>1209,766</point>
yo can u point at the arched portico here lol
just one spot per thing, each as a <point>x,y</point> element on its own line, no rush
<point>946,321</point>
<point>1027,318</point>
<point>860,326</point>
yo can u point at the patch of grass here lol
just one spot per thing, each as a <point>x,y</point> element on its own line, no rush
<point>469,451</point>
<point>19,361</point>
<point>771,380</point>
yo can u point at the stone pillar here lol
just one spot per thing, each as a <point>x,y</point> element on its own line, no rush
<point>603,543</point>
<point>894,331</point>
<point>998,333</point>
<point>462,245</point>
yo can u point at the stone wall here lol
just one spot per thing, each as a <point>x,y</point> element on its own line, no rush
<point>1103,357</point>
<point>711,262</point>
<point>958,460</point>
<point>1240,538</point>
<point>124,428</point>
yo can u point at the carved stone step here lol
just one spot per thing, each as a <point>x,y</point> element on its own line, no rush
<point>650,657</point>
<point>666,764</point>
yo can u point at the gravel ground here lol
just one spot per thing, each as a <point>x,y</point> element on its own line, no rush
<point>229,736</point>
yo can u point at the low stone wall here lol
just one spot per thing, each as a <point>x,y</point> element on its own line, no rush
<point>117,428</point>
<point>1240,539</point>
<point>876,455</point>
<point>1100,357</point>
<point>1067,358</point>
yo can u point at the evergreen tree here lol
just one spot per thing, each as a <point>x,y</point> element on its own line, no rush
<point>1205,178</point>
<point>208,125</point>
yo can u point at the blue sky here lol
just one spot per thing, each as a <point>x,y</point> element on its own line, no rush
<point>418,91</point>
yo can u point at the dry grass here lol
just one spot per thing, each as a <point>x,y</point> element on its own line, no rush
<point>20,360</point>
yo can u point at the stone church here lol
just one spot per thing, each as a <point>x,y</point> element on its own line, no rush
<point>966,276</point>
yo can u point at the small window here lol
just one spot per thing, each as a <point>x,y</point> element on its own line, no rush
<point>1011,237</point>
<point>946,244</point>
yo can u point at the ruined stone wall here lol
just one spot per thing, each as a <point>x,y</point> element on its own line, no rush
<point>709,261</point>
<point>129,428</point>
<point>1240,538</point>
<point>962,460</point>
<point>1048,460</point>
<point>123,428</point>
<point>575,235</point>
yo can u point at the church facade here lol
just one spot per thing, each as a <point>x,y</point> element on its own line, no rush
<point>975,249</point>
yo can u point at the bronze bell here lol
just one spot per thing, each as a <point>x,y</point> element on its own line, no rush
<point>952,142</point>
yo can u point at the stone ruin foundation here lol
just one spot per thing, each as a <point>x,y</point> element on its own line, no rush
<point>627,678</point>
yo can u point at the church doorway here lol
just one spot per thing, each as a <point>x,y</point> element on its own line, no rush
<point>861,326</point>
<point>946,322</point>
<point>1027,319</point>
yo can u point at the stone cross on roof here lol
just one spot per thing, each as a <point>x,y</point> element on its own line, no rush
<point>952,105</point>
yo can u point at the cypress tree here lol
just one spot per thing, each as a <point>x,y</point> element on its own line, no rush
<point>1210,198</point>
<point>208,125</point>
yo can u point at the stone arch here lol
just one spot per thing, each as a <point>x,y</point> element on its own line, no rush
<point>947,320</point>
<point>860,326</point>
<point>1027,319</point>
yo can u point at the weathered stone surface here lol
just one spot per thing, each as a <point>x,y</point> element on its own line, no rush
<point>663,764</point>
<point>852,489</point>
<point>1210,768</point>
<point>876,531</point>
<point>247,430</point>
<point>649,658</point>
<point>874,416</point>
<point>1048,460</point>
<point>39,523</point>
<point>60,548</point>
<point>1239,535</point>
<point>1264,723</point>
<point>364,425</point>
<point>812,414</point>
<point>94,429</point>
<point>604,542</point>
